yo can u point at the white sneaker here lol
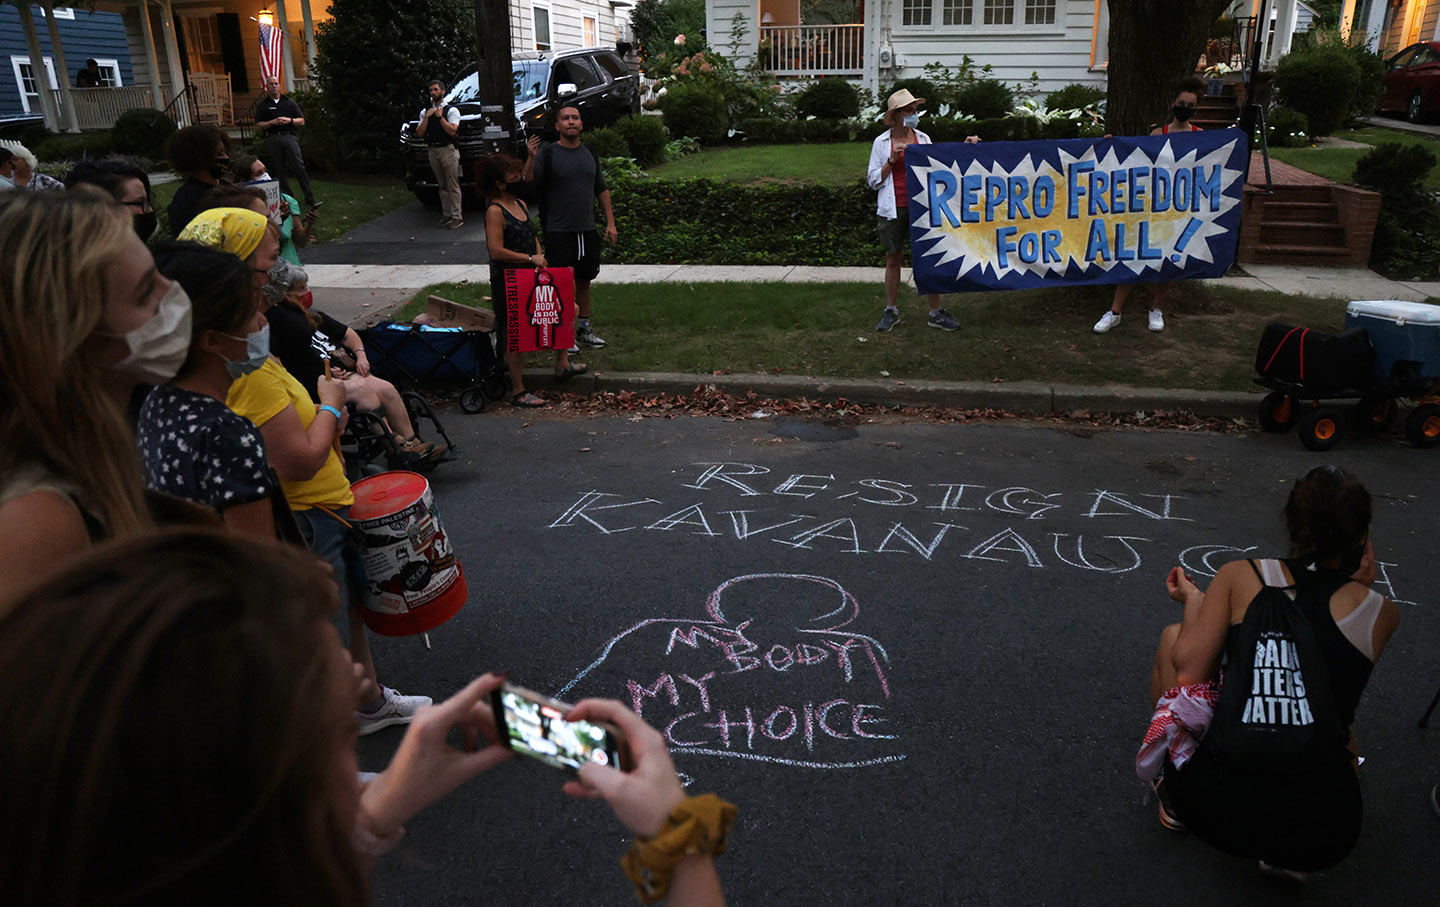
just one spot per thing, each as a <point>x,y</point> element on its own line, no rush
<point>1106,322</point>
<point>1157,321</point>
<point>397,708</point>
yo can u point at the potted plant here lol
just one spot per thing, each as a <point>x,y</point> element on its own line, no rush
<point>1215,78</point>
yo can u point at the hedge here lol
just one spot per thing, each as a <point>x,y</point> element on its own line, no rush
<point>701,221</point>
<point>769,131</point>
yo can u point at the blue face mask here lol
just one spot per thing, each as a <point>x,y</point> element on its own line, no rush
<point>257,350</point>
<point>7,183</point>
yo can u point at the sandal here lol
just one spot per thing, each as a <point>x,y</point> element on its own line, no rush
<point>575,368</point>
<point>527,400</point>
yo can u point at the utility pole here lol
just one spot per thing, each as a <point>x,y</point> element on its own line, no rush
<point>497,88</point>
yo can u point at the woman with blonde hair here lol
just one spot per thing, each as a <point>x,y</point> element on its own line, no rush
<point>82,323</point>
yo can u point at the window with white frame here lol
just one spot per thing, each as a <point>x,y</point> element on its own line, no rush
<point>958,12</point>
<point>915,12</point>
<point>999,12</point>
<point>592,31</point>
<point>25,79</point>
<point>1039,12</point>
<point>109,73</point>
<point>542,28</point>
<point>61,12</point>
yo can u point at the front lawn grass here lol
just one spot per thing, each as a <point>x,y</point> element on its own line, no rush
<point>348,203</point>
<point>830,164</point>
<point>1028,335</point>
<point>1338,164</point>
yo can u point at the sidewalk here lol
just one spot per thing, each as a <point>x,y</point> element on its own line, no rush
<point>366,292</point>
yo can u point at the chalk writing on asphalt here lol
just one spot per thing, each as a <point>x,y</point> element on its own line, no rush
<point>775,669</point>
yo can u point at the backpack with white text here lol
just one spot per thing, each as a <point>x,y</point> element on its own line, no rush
<point>1277,705</point>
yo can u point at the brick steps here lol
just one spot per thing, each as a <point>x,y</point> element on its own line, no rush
<point>1313,256</point>
<point>1306,222</point>
<point>1302,212</point>
<point>1291,233</point>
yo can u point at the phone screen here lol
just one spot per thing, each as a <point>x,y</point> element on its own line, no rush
<point>534,725</point>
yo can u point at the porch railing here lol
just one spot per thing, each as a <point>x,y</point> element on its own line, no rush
<point>798,50</point>
<point>99,108</point>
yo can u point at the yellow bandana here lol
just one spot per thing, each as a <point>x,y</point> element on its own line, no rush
<point>234,230</point>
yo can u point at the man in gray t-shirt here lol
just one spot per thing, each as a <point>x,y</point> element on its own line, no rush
<point>568,180</point>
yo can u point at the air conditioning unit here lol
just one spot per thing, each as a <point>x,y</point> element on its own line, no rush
<point>887,56</point>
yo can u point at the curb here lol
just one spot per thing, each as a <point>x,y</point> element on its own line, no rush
<point>1017,397</point>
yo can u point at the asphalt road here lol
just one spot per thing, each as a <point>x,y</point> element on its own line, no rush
<point>952,630</point>
<point>407,236</point>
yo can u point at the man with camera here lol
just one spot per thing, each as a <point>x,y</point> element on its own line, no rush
<point>438,124</point>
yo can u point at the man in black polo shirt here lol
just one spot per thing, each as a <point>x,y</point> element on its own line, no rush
<point>280,117</point>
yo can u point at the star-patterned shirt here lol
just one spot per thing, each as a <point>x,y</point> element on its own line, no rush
<point>196,447</point>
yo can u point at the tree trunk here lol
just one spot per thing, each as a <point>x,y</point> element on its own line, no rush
<point>497,88</point>
<point>1153,43</point>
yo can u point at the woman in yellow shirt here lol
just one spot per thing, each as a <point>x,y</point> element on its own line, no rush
<point>301,444</point>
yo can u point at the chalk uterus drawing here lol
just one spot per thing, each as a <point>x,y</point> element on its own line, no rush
<point>774,672</point>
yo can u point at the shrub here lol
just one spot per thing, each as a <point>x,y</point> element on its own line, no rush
<point>372,73</point>
<point>699,221</point>
<point>646,137</point>
<point>832,99</point>
<point>1287,128</point>
<point>920,88</point>
<point>985,99</point>
<point>1396,171</point>
<point>657,22</point>
<point>1407,231</point>
<point>1320,83</point>
<point>695,110</point>
<point>770,131</point>
<point>142,131</point>
<point>1059,128</point>
<point>607,142</point>
<point>825,131</point>
<point>948,129</point>
<point>1074,97</point>
<point>68,147</point>
<point>1372,81</point>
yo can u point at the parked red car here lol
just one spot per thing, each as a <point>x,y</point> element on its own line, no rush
<point>1412,81</point>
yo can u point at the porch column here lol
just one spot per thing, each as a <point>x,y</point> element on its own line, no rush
<point>871,80</point>
<point>62,72</point>
<point>1347,18</point>
<point>309,26</point>
<point>1374,24</point>
<point>287,65</point>
<point>147,31</point>
<point>172,60</point>
<point>49,109</point>
<point>1286,13</point>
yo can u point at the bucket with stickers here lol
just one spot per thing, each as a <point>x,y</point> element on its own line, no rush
<point>413,581</point>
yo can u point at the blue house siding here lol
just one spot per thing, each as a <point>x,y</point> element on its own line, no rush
<point>100,35</point>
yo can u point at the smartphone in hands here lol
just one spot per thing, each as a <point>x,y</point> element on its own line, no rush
<point>534,725</point>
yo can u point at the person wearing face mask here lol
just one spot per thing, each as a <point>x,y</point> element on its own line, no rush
<point>1187,98</point>
<point>296,232</point>
<point>301,443</point>
<point>201,154</point>
<point>126,183</point>
<point>24,169</point>
<point>191,444</point>
<point>81,325</point>
<point>886,174</point>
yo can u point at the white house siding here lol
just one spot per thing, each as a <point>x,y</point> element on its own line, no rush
<point>567,23</point>
<point>718,16</point>
<point>1059,54</point>
<point>1430,26</point>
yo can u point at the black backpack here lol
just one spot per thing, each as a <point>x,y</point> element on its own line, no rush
<point>1277,705</point>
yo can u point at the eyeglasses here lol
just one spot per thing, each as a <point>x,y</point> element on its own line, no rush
<point>141,207</point>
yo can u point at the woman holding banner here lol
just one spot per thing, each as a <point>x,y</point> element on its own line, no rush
<point>1187,98</point>
<point>886,174</point>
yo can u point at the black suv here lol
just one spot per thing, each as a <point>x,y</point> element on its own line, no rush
<point>594,79</point>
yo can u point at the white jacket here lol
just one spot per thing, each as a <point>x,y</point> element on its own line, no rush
<point>879,154</point>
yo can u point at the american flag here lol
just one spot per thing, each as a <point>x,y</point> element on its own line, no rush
<point>269,52</point>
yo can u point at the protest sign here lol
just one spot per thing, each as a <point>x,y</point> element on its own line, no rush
<point>539,309</point>
<point>1012,215</point>
<point>271,188</point>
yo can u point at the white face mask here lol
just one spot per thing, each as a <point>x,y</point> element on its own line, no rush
<point>7,183</point>
<point>910,120</point>
<point>159,346</point>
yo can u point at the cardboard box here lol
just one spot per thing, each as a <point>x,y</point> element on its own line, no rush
<point>446,314</point>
